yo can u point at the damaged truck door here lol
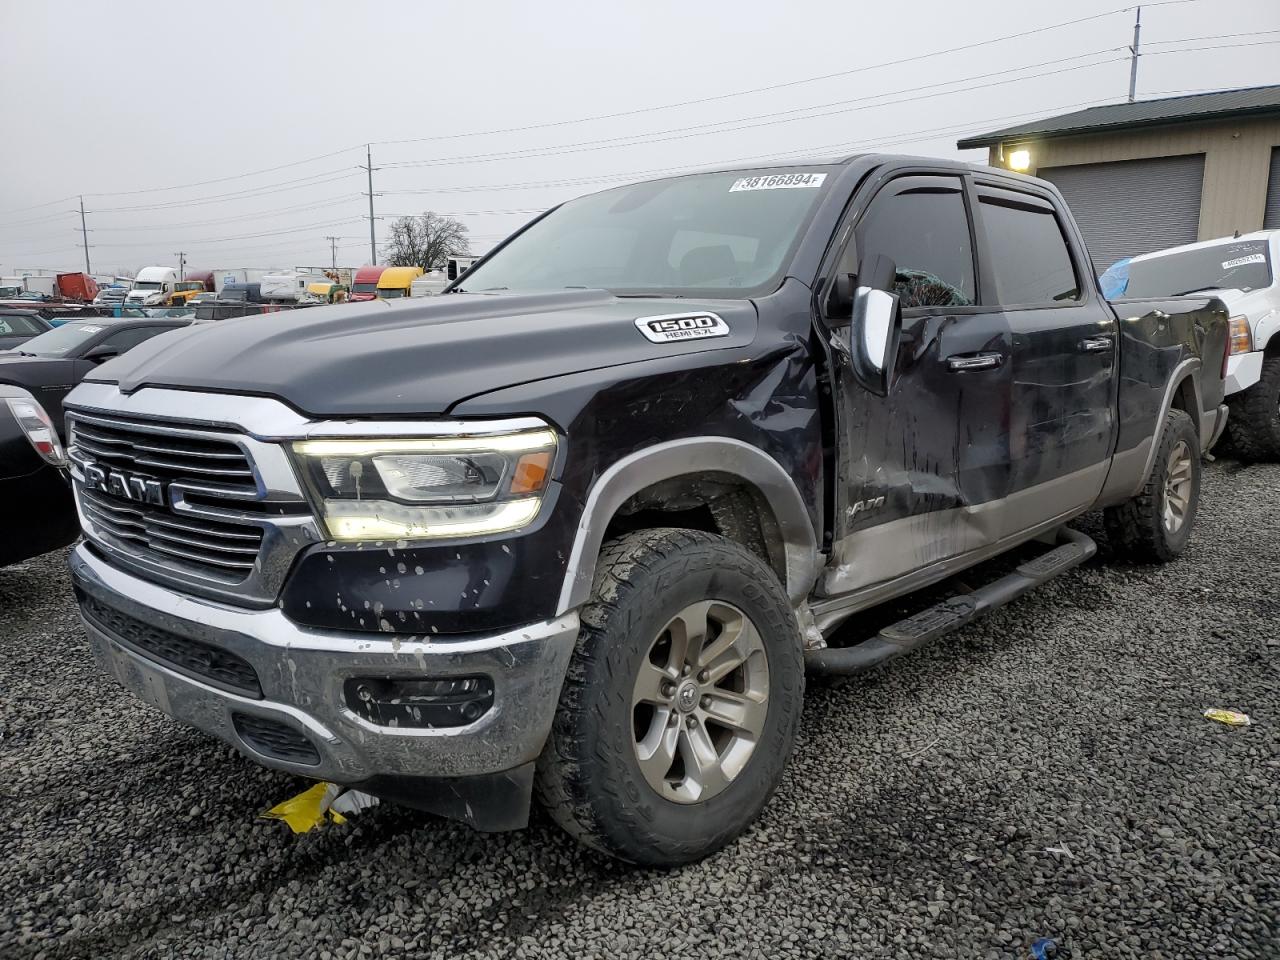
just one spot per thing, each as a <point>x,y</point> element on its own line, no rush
<point>576,529</point>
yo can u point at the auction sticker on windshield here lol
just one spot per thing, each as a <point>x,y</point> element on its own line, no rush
<point>675,327</point>
<point>779,181</point>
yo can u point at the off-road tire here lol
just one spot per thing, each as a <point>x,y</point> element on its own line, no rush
<point>1136,527</point>
<point>1253,425</point>
<point>588,776</point>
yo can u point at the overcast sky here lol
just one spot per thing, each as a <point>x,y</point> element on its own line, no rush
<point>116,100</point>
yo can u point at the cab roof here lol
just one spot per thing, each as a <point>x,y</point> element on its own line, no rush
<point>399,276</point>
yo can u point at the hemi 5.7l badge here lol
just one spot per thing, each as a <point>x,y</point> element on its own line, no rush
<point>674,327</point>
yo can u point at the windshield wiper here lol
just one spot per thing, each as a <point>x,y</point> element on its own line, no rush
<point>1185,293</point>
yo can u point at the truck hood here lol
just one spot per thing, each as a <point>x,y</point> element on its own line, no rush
<point>417,357</point>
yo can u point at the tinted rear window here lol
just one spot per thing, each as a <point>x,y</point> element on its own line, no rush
<point>1029,255</point>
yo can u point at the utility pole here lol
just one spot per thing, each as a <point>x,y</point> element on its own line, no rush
<point>333,252</point>
<point>84,235</point>
<point>182,265</point>
<point>373,243</point>
<point>1133,58</point>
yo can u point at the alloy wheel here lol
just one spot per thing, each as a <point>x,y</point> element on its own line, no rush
<point>700,701</point>
<point>1177,487</point>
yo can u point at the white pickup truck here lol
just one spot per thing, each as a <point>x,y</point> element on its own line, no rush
<point>1240,271</point>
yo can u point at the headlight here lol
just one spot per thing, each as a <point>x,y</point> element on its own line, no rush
<point>37,426</point>
<point>428,488</point>
<point>1241,336</point>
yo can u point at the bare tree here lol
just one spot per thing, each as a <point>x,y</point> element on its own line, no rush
<point>426,241</point>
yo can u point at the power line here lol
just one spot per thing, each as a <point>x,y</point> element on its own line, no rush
<point>784,85</point>
<point>624,113</point>
<point>652,171</point>
<point>243,236</point>
<point>298,208</point>
<point>237,176</point>
<point>262,190</point>
<point>682,133</point>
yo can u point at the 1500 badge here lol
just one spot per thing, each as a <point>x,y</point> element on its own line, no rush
<point>674,327</point>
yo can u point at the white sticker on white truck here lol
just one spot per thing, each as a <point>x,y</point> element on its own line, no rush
<point>1241,261</point>
<point>779,181</point>
<point>674,327</point>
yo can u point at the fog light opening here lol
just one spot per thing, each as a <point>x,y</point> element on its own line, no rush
<point>420,702</point>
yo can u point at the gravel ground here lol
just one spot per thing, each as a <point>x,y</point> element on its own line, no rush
<point>1045,772</point>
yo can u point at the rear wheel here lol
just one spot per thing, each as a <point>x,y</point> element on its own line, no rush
<point>1253,424</point>
<point>681,703</point>
<point>1154,526</point>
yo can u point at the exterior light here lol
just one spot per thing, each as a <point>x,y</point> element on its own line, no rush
<point>1020,160</point>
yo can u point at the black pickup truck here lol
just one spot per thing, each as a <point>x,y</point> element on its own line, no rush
<point>578,526</point>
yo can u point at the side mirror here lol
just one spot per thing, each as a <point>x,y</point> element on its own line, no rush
<point>876,329</point>
<point>102,352</point>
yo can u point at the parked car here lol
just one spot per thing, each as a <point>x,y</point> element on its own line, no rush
<point>1241,272</point>
<point>50,364</point>
<point>19,326</point>
<point>36,505</point>
<point>585,519</point>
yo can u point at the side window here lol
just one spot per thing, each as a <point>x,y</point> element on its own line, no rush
<point>1029,254</point>
<point>925,230</point>
<point>128,339</point>
<point>18,326</point>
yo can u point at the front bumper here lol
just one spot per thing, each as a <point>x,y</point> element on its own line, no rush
<point>301,673</point>
<point>1243,371</point>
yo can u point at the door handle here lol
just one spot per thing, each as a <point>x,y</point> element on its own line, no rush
<point>974,361</point>
<point>1095,344</point>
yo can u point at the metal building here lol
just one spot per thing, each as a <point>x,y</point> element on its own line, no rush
<point>1156,173</point>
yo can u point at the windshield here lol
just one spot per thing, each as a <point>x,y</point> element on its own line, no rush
<point>62,340</point>
<point>390,293</point>
<point>365,288</point>
<point>1241,265</point>
<point>148,285</point>
<point>715,234</point>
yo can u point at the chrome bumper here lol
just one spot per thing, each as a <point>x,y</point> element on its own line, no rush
<point>302,672</point>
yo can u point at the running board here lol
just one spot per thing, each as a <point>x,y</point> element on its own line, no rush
<point>1073,549</point>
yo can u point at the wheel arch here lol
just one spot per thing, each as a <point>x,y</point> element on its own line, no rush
<point>721,463</point>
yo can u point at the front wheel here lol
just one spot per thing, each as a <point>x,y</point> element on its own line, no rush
<point>1253,424</point>
<point>1154,526</point>
<point>681,703</point>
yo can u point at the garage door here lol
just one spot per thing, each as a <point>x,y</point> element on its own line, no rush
<point>1271,219</point>
<point>1132,206</point>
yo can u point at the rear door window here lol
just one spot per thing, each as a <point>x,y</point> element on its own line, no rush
<point>1029,254</point>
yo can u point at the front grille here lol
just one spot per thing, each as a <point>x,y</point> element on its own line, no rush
<point>274,739</point>
<point>212,537</point>
<point>221,549</point>
<point>163,453</point>
<point>204,661</point>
